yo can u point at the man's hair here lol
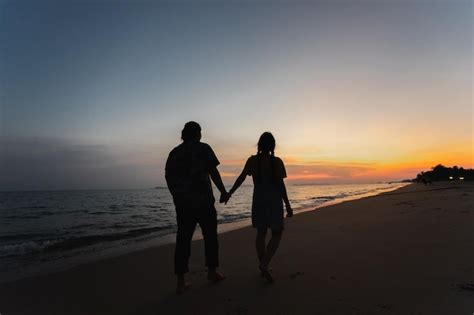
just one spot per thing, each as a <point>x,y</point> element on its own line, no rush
<point>190,131</point>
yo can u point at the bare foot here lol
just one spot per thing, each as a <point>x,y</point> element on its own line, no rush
<point>182,286</point>
<point>266,274</point>
<point>270,270</point>
<point>215,276</point>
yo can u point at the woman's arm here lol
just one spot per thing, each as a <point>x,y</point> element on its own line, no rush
<point>241,178</point>
<point>284,194</point>
<point>281,184</point>
<point>238,182</point>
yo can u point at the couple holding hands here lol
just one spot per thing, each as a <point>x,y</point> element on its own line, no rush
<point>189,168</point>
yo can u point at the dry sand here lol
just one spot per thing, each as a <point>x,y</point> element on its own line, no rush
<point>402,252</point>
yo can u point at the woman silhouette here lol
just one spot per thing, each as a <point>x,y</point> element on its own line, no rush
<point>268,172</point>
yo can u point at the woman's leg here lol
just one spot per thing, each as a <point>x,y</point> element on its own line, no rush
<point>260,244</point>
<point>272,246</point>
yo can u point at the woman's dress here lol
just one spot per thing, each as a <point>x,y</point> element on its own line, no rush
<point>267,203</point>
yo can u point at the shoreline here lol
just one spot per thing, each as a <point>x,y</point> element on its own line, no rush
<point>401,252</point>
<point>231,226</point>
<point>119,248</point>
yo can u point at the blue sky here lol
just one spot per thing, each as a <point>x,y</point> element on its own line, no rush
<point>95,93</point>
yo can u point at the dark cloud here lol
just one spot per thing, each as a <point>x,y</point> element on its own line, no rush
<point>44,163</point>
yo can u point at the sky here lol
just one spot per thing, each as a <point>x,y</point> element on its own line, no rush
<point>94,94</point>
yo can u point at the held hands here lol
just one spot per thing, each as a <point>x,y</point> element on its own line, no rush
<point>225,196</point>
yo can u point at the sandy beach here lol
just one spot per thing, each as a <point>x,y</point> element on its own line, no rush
<point>402,252</point>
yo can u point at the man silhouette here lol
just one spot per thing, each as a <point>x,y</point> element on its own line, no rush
<point>188,169</point>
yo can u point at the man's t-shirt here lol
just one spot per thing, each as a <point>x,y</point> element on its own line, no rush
<point>187,173</point>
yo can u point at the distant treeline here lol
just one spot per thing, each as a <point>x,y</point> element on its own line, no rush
<point>441,172</point>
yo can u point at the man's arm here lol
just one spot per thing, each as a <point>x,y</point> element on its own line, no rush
<point>216,178</point>
<point>169,175</point>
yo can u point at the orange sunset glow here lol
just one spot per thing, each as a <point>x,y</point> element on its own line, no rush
<point>348,98</point>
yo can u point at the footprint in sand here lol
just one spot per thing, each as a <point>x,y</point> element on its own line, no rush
<point>405,203</point>
<point>296,274</point>
<point>466,286</point>
<point>385,306</point>
<point>200,273</point>
<point>241,310</point>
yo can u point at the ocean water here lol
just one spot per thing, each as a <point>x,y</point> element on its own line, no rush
<point>43,231</point>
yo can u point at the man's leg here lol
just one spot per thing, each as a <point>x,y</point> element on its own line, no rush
<point>186,226</point>
<point>208,222</point>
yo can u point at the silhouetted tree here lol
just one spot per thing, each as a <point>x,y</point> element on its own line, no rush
<point>441,172</point>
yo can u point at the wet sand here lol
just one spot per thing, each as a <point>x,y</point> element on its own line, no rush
<point>402,252</point>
